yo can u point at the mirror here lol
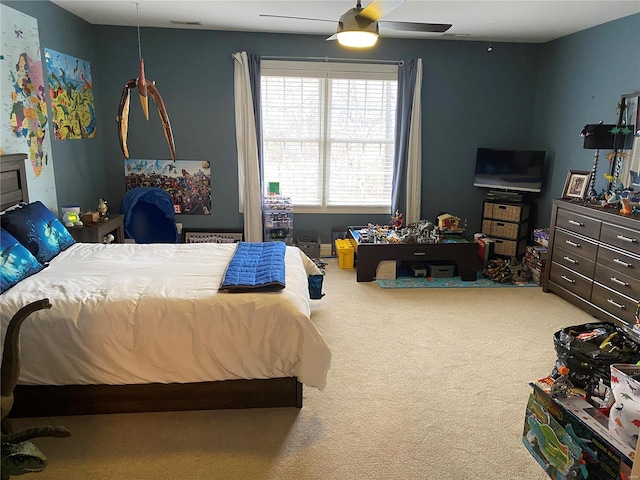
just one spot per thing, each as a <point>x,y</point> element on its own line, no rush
<point>625,166</point>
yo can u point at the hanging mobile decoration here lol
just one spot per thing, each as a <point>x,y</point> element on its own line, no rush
<point>144,86</point>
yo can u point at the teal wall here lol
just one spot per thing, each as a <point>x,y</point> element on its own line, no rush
<point>581,79</point>
<point>519,96</point>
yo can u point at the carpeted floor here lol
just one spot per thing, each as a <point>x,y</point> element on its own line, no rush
<point>425,384</point>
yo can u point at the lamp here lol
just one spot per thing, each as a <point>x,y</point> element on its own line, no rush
<point>596,137</point>
<point>356,32</point>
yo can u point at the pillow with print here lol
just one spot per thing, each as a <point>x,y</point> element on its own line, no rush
<point>17,262</point>
<point>35,227</point>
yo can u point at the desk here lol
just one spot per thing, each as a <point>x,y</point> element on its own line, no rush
<point>95,232</point>
<point>368,255</point>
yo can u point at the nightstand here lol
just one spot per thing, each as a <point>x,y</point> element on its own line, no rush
<point>95,232</point>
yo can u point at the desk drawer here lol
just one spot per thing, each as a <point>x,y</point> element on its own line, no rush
<point>614,303</point>
<point>574,262</point>
<point>578,245</point>
<point>586,226</point>
<point>570,280</point>
<point>621,237</point>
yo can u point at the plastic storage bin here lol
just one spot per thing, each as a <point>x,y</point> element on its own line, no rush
<point>309,243</point>
<point>345,251</point>
<point>441,269</point>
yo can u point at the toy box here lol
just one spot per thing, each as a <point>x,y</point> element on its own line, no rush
<point>570,439</point>
<point>345,251</point>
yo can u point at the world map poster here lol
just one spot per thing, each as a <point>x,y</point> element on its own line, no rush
<point>71,94</point>
<point>188,182</point>
<point>23,107</point>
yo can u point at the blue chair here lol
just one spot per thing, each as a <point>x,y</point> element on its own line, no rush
<point>149,216</point>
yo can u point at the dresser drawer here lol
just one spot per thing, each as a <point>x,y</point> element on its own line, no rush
<point>621,237</point>
<point>619,261</point>
<point>617,281</point>
<point>586,226</point>
<point>512,231</point>
<point>578,245</point>
<point>614,303</point>
<point>574,262</point>
<point>570,280</point>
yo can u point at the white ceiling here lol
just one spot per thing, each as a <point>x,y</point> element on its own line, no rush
<point>535,21</point>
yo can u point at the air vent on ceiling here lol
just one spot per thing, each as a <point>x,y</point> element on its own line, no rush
<point>456,35</point>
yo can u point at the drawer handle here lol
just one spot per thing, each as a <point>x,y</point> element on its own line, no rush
<point>419,253</point>
<point>570,260</point>
<point>567,279</point>
<point>619,282</point>
<point>576,223</point>
<point>626,239</point>
<point>616,304</point>
<point>620,262</point>
<point>500,224</point>
<point>573,244</point>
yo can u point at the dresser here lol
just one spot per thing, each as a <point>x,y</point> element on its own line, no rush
<point>507,224</point>
<point>594,260</point>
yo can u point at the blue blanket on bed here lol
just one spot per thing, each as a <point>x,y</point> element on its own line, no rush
<point>254,267</point>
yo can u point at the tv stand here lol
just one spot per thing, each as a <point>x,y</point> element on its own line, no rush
<point>504,196</point>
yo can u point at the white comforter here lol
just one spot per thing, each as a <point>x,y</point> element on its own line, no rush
<point>131,314</point>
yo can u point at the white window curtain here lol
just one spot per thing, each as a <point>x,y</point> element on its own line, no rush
<point>249,184</point>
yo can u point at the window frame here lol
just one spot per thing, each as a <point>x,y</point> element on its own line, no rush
<point>333,70</point>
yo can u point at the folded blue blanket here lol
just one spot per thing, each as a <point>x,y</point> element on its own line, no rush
<point>254,267</point>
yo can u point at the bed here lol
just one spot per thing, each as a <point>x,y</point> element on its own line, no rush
<point>144,328</point>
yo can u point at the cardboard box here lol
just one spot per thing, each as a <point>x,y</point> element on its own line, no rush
<point>90,217</point>
<point>570,439</point>
<point>386,270</point>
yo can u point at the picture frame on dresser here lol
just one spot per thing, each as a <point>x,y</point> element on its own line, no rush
<point>575,187</point>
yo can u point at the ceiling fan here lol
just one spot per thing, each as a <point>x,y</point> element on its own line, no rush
<point>359,27</point>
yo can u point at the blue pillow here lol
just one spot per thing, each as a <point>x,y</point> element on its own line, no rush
<point>35,227</point>
<point>16,262</point>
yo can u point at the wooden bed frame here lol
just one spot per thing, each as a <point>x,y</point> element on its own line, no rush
<point>49,400</point>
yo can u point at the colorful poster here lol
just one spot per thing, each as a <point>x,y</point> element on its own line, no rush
<point>187,181</point>
<point>71,95</point>
<point>23,107</point>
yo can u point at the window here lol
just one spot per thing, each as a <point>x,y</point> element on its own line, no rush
<point>328,133</point>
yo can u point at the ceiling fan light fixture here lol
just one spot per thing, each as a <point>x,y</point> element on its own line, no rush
<point>357,39</point>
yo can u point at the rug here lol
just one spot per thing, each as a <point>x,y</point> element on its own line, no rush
<point>452,282</point>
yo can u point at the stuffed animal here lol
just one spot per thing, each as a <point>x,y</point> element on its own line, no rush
<point>72,219</point>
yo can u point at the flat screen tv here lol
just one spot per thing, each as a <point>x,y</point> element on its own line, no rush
<point>511,170</point>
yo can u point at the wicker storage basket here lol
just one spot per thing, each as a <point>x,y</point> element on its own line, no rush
<point>510,248</point>
<point>505,211</point>
<point>513,231</point>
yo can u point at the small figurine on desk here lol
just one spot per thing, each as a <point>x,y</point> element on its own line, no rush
<point>397,221</point>
<point>102,210</point>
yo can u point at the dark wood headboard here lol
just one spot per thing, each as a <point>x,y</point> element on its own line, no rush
<point>13,180</point>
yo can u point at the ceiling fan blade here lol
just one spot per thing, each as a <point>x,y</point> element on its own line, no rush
<point>297,18</point>
<point>379,8</point>
<point>415,27</point>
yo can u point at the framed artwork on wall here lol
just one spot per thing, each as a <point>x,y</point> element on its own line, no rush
<point>576,185</point>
